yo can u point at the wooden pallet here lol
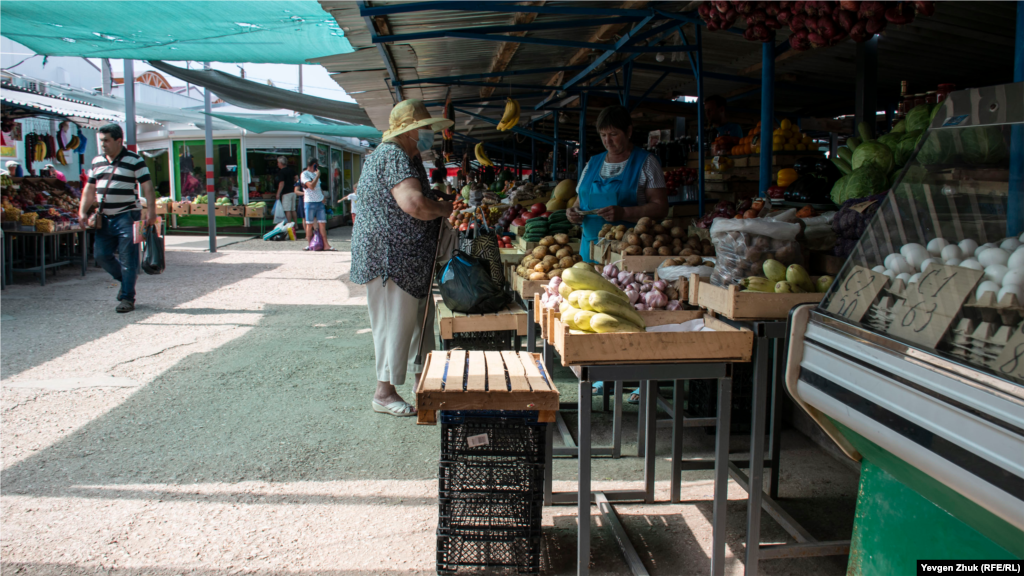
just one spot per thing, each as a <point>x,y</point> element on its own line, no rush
<point>512,317</point>
<point>474,380</point>
<point>735,304</point>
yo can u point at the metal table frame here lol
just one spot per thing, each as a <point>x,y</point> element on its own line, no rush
<point>42,241</point>
<point>584,496</point>
<point>767,333</point>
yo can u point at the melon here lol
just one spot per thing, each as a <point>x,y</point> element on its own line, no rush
<point>555,204</point>
<point>565,190</point>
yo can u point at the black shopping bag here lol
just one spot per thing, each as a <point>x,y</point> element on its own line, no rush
<point>466,286</point>
<point>153,261</point>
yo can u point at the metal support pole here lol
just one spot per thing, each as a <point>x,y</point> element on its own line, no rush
<point>554,153</point>
<point>1015,198</point>
<point>129,105</point>
<point>300,78</point>
<point>211,194</point>
<point>767,115</point>
<point>700,122</point>
<point>756,486</point>
<point>583,496</point>
<point>627,80</point>
<point>866,100</point>
<point>533,157</point>
<point>721,476</point>
<point>582,156</point>
<point>106,76</point>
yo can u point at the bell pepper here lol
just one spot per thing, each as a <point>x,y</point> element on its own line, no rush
<point>786,177</point>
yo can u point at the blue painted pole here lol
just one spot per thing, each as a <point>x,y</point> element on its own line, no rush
<point>701,130</point>
<point>533,157</point>
<point>554,153</point>
<point>1015,198</point>
<point>582,155</point>
<point>767,115</point>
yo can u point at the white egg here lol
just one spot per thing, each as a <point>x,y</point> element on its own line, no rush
<point>1016,260</point>
<point>1013,278</point>
<point>986,286</point>
<point>983,247</point>
<point>972,264</point>
<point>914,278</point>
<point>888,260</point>
<point>890,274</point>
<point>1010,244</point>
<point>994,256</point>
<point>905,277</point>
<point>879,269</point>
<point>952,251</point>
<point>899,265</point>
<point>936,245</point>
<point>953,262</point>
<point>968,246</point>
<point>909,248</point>
<point>930,261</point>
<point>995,273</point>
<point>916,256</point>
<point>1011,289</point>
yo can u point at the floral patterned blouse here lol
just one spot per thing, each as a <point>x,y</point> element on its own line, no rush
<point>387,242</point>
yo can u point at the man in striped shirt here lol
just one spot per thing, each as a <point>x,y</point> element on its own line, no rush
<point>113,181</point>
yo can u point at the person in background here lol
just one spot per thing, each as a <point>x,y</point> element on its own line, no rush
<point>11,168</point>
<point>113,179</point>
<point>714,110</point>
<point>353,199</point>
<point>50,171</point>
<point>313,203</point>
<point>624,184</point>
<point>394,245</point>
<point>284,179</point>
<point>439,184</point>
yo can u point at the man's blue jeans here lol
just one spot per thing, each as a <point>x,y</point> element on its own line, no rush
<point>116,236</point>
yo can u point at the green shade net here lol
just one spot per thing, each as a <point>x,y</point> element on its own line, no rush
<point>278,32</point>
<point>306,123</point>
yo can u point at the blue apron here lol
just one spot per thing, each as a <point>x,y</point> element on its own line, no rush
<point>597,193</point>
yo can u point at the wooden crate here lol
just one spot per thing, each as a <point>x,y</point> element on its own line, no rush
<point>201,209</point>
<point>511,255</point>
<point>512,317</point>
<point>235,210</point>
<point>725,344</point>
<point>525,246</point>
<point>255,212</point>
<point>181,208</point>
<point>528,288</point>
<point>474,380</point>
<point>600,253</point>
<point>735,304</point>
<point>637,263</point>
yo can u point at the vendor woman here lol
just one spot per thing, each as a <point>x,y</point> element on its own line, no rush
<point>623,184</point>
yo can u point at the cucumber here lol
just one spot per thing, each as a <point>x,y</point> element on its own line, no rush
<point>846,154</point>
<point>852,143</point>
<point>843,165</point>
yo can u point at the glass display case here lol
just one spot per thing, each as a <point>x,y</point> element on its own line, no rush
<point>940,267</point>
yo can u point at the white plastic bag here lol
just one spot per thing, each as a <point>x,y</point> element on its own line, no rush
<point>278,212</point>
<point>673,273</point>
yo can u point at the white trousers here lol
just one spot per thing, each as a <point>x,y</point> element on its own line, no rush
<point>395,319</point>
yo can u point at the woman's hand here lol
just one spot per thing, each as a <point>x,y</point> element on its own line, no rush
<point>611,213</point>
<point>573,215</point>
<point>445,208</point>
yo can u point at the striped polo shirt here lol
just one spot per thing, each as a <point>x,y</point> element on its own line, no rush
<point>117,192</point>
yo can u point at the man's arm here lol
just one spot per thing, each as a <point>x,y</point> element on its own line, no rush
<point>150,193</point>
<point>411,200</point>
<point>280,188</point>
<point>88,199</point>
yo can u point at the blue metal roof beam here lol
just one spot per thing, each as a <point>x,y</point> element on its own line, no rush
<point>522,86</point>
<point>498,7</point>
<point>515,129</point>
<point>487,145</point>
<point>384,55</point>
<point>608,52</point>
<point>691,20</point>
<point>534,27</point>
<point>562,43</point>
<point>447,79</point>
<point>485,99</point>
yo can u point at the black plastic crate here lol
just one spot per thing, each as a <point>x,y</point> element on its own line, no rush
<point>494,340</point>
<point>490,475</point>
<point>512,548</point>
<point>490,510</point>
<point>505,437</point>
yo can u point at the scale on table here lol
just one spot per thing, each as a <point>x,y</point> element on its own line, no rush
<point>923,381</point>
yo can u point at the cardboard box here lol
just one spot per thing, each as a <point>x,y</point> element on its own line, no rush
<point>200,209</point>
<point>235,210</point>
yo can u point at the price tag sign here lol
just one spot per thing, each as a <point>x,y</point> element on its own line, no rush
<point>1011,361</point>
<point>932,304</point>
<point>857,293</point>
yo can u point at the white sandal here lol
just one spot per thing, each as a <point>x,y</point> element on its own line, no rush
<point>397,408</point>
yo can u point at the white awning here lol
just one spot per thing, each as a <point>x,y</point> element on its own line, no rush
<point>66,108</point>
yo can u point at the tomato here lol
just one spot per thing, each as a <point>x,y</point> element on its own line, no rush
<point>538,208</point>
<point>463,227</point>
<point>506,239</point>
<point>519,222</point>
<point>528,215</point>
<point>545,214</point>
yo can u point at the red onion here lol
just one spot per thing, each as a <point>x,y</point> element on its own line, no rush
<point>744,7</point>
<point>797,22</point>
<point>817,41</point>
<point>858,33</point>
<point>610,271</point>
<point>712,26</point>
<point>640,306</point>
<point>811,8</point>
<point>633,295</point>
<point>785,5</point>
<point>797,8</point>
<point>851,5</point>
<point>876,25</point>
<point>728,19</point>
<point>925,8</point>
<point>758,16</point>
<point>812,25</point>
<point>846,19</point>
<point>748,34</point>
<point>673,305</point>
<point>839,37</point>
<point>826,27</point>
<point>660,285</point>
<point>771,23</point>
<point>772,10</point>
<point>720,5</point>
<point>784,16</point>
<point>870,9</point>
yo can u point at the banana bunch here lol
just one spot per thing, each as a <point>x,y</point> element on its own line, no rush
<point>61,159</point>
<point>40,152</point>
<point>510,117</point>
<point>481,155</point>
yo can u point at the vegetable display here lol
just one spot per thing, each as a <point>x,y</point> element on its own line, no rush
<point>548,260</point>
<point>649,238</point>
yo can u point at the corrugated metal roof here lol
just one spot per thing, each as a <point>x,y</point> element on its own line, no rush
<point>966,43</point>
<point>63,107</point>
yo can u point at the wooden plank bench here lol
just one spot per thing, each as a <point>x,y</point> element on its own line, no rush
<point>476,380</point>
<point>511,319</point>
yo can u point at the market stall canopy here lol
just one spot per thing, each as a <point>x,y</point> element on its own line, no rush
<point>28,104</point>
<point>248,94</point>
<point>162,114</point>
<point>274,31</point>
<point>304,123</point>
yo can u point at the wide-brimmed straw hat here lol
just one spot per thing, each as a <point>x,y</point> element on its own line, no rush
<point>411,115</point>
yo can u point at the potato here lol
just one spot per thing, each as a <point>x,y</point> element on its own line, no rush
<point>539,276</point>
<point>641,228</point>
<point>664,238</point>
<point>633,250</point>
<point>657,244</point>
<point>601,233</point>
<point>664,251</point>
<point>563,252</point>
<point>577,258</point>
<point>667,224</point>
<point>676,250</point>
<point>530,262</point>
<point>709,264</point>
<point>677,232</point>
<point>620,228</point>
<point>521,270</point>
<point>677,242</point>
<point>540,252</point>
<point>645,221</point>
<point>606,227</point>
<point>633,240</point>
<point>646,240</point>
<point>694,244</point>
<point>659,229</point>
<point>650,251</point>
<point>667,263</point>
<point>619,234</point>
<point>687,252</point>
<point>566,262</point>
<point>547,241</point>
<point>549,259</point>
<point>554,272</point>
<point>561,239</point>
<point>543,267</point>
<point>708,251</point>
<point>693,260</point>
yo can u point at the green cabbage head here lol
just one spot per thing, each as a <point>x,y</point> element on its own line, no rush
<point>872,152</point>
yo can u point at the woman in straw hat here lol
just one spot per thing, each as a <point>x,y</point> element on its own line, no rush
<point>393,248</point>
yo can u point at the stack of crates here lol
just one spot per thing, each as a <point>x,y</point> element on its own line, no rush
<point>490,490</point>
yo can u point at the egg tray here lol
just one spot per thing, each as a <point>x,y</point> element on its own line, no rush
<point>978,342</point>
<point>881,315</point>
<point>1008,311</point>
